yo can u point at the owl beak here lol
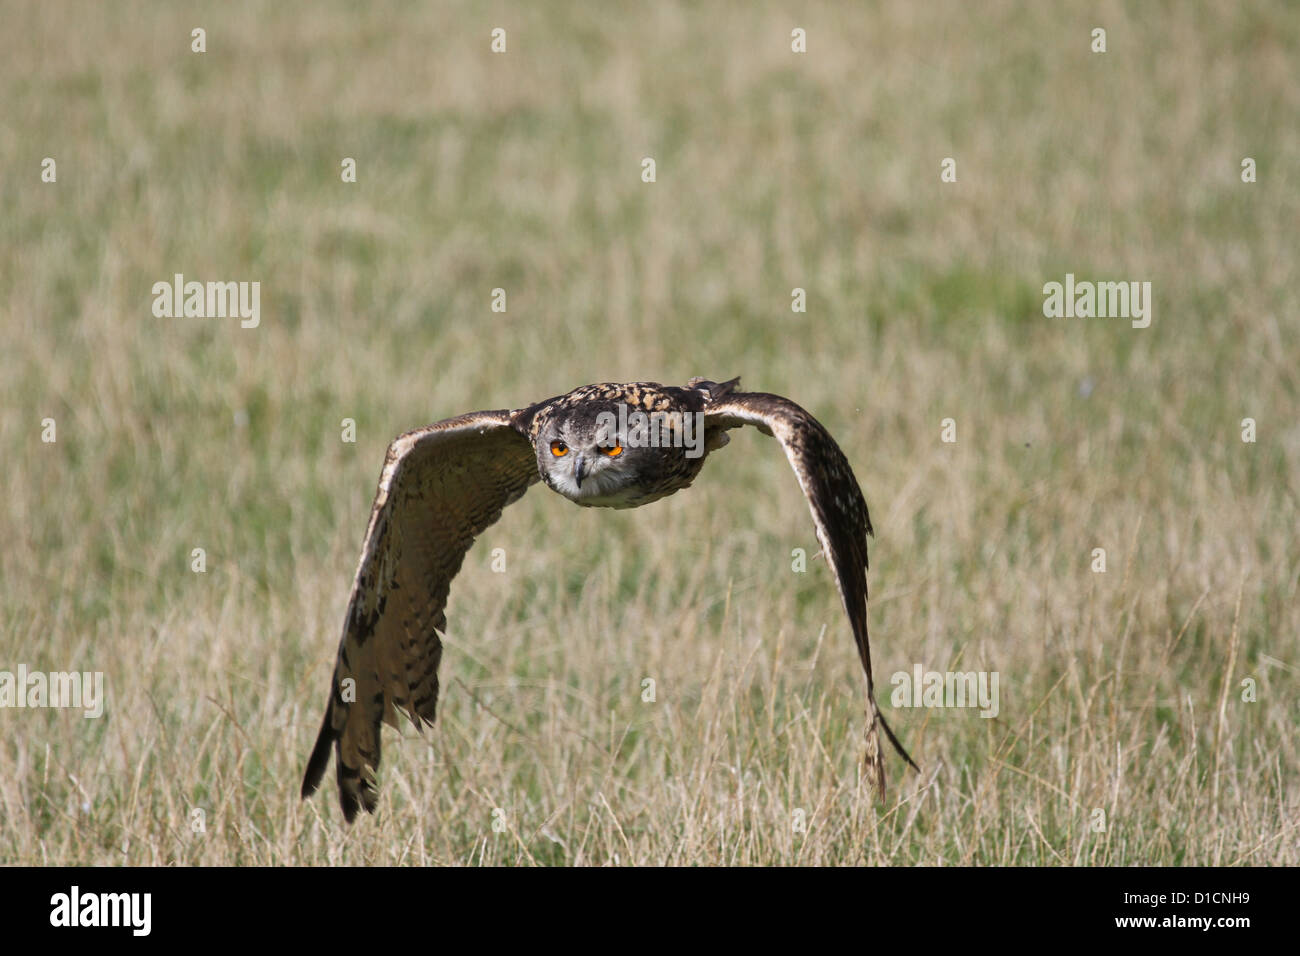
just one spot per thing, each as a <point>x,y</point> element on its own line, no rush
<point>579,470</point>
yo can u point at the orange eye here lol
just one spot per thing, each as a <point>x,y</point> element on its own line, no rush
<point>612,452</point>
<point>559,449</point>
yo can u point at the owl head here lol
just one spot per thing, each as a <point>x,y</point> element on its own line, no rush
<point>583,454</point>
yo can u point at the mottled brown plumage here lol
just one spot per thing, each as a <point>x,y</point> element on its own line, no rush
<point>442,485</point>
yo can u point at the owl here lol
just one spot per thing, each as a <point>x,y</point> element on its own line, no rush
<point>599,446</point>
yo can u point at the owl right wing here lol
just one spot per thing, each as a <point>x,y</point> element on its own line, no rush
<point>441,486</point>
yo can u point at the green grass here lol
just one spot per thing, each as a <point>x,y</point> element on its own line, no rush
<point>1120,691</point>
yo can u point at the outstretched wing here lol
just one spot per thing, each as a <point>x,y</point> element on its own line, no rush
<point>839,516</point>
<point>440,488</point>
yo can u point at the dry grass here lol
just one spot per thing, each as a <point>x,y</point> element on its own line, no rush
<point>1119,691</point>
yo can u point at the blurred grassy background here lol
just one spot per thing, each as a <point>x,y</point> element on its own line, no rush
<point>775,171</point>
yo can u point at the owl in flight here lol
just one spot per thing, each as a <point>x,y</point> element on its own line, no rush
<point>607,446</point>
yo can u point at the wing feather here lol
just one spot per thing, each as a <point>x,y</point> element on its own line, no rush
<point>441,486</point>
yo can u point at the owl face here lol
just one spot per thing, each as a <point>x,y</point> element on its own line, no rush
<point>589,463</point>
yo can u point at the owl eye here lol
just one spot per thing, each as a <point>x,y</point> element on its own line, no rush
<point>612,452</point>
<point>559,449</point>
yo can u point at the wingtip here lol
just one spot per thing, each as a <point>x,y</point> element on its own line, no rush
<point>898,747</point>
<point>349,805</point>
<point>349,794</point>
<point>874,759</point>
<point>357,790</point>
<point>320,756</point>
<point>716,390</point>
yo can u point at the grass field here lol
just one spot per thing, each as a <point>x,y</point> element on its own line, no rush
<point>1120,692</point>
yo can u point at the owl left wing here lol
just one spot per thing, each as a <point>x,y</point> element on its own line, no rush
<point>441,486</point>
<point>840,520</point>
